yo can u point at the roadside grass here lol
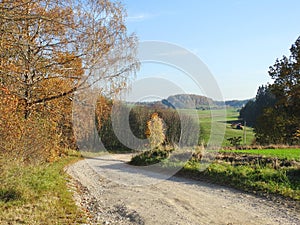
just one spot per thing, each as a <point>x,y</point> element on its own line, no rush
<point>286,153</point>
<point>250,178</point>
<point>37,194</point>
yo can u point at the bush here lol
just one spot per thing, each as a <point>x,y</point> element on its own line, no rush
<point>235,141</point>
<point>150,157</point>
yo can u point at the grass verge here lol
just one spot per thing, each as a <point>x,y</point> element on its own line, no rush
<point>284,181</point>
<point>37,194</point>
<point>251,177</point>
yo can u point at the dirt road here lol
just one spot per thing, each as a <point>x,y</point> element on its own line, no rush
<point>116,193</point>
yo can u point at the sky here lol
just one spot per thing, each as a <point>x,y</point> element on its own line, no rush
<point>237,40</point>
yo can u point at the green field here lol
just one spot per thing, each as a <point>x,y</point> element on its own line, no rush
<point>290,154</point>
<point>214,122</point>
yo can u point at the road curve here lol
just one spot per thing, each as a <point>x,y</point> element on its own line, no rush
<point>115,193</point>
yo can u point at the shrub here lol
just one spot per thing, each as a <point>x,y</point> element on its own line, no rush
<point>150,157</point>
<point>235,141</point>
<point>155,131</point>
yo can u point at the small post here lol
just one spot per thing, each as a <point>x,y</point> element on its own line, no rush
<point>245,134</point>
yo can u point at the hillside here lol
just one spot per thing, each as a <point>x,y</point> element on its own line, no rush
<point>192,101</point>
<point>188,101</point>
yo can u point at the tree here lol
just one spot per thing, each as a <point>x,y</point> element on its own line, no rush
<point>272,127</point>
<point>286,76</point>
<point>68,43</point>
<point>249,113</point>
<point>254,108</point>
<point>50,49</point>
<point>33,139</point>
<point>155,131</point>
<point>280,123</point>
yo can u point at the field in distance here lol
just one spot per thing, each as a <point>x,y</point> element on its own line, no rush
<point>286,153</point>
<point>220,119</point>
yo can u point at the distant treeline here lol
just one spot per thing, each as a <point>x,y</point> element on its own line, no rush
<point>192,101</point>
<point>180,129</point>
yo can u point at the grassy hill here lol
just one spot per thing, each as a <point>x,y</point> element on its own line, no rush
<point>221,119</point>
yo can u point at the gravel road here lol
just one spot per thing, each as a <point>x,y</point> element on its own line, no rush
<point>112,192</point>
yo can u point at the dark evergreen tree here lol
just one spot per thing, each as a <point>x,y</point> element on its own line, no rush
<point>254,108</point>
<point>281,123</point>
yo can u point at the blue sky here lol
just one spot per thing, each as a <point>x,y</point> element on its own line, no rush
<point>237,40</point>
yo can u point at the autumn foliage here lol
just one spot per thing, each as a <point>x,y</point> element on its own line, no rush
<point>155,131</point>
<point>178,130</point>
<point>49,50</point>
<point>33,140</point>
